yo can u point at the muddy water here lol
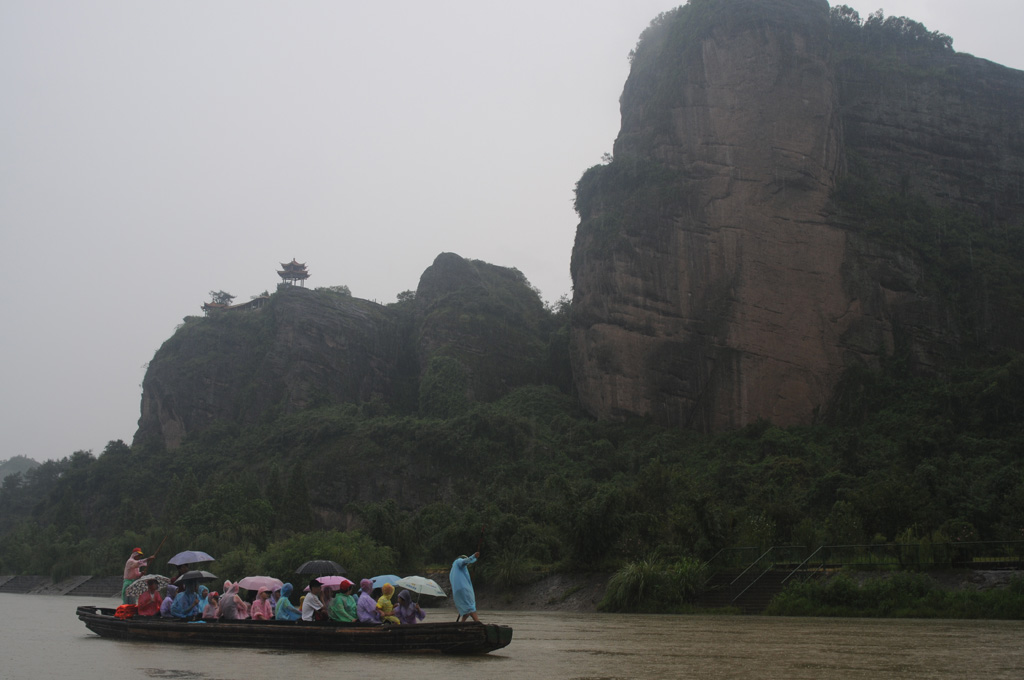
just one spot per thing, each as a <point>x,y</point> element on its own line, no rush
<point>43,639</point>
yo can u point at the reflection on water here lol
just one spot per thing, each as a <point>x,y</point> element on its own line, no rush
<point>43,639</point>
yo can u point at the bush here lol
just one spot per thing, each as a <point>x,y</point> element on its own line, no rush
<point>653,586</point>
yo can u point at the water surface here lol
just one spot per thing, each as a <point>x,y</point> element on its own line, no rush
<point>42,638</point>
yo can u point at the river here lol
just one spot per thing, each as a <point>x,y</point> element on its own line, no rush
<point>43,639</point>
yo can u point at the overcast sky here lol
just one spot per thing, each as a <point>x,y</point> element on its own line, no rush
<point>153,151</point>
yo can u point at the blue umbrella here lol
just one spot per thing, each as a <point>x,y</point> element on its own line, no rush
<point>379,581</point>
<point>190,557</point>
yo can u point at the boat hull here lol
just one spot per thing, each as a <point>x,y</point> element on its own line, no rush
<point>443,638</point>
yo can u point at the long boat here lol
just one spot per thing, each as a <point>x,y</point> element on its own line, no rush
<point>444,638</point>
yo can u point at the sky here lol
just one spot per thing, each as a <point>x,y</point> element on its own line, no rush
<point>152,152</point>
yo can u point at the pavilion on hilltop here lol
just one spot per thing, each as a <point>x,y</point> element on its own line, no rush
<point>294,271</point>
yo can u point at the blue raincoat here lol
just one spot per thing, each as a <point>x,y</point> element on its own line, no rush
<point>185,605</point>
<point>285,610</point>
<point>204,597</point>
<point>462,586</point>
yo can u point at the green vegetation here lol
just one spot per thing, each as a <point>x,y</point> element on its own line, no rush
<point>542,486</point>
<point>902,595</point>
<point>654,586</point>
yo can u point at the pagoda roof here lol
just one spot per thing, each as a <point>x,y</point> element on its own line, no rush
<point>293,264</point>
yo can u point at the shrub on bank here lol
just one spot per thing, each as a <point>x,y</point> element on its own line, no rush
<point>653,586</point>
<point>903,595</point>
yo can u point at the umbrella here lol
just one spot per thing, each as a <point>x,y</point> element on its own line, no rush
<point>421,585</point>
<point>321,568</point>
<point>189,557</point>
<point>257,582</point>
<point>335,582</point>
<point>142,585</point>
<point>379,581</point>
<point>196,575</point>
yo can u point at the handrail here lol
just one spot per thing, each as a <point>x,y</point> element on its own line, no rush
<point>750,566</point>
<point>801,565</point>
<point>764,571</point>
<point>707,564</point>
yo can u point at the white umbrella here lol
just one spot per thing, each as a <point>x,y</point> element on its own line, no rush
<point>421,585</point>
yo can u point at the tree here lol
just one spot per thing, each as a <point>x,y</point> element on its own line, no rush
<point>341,290</point>
<point>219,297</point>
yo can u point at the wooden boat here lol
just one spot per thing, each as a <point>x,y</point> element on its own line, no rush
<point>445,638</point>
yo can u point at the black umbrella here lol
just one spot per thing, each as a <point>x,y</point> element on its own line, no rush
<point>321,568</point>
<point>196,575</point>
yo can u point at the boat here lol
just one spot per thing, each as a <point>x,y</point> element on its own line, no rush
<point>469,637</point>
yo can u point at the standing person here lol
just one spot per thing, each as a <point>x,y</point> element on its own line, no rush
<point>133,570</point>
<point>182,570</point>
<point>312,607</point>
<point>150,601</point>
<point>462,587</point>
<point>366,608</point>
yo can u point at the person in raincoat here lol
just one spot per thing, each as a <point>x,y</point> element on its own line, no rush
<point>261,609</point>
<point>150,601</point>
<point>462,587</point>
<point>186,602</point>
<point>343,607</point>
<point>165,606</point>
<point>385,606</point>
<point>133,571</point>
<point>285,610</point>
<point>204,597</point>
<point>212,605</point>
<point>366,608</point>
<point>408,612</point>
<point>231,606</point>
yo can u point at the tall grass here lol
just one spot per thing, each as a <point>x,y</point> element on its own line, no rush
<point>653,586</point>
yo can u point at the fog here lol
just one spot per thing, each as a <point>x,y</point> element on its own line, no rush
<point>151,152</point>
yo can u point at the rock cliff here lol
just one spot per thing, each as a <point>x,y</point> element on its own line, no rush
<point>716,279</point>
<point>309,347</point>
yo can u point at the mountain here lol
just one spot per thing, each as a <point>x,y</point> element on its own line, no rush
<point>472,332</point>
<point>794,193</point>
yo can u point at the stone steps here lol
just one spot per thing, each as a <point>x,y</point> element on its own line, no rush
<point>24,584</point>
<point>83,585</point>
<point>99,586</point>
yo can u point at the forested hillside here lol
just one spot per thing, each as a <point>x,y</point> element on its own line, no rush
<point>590,436</point>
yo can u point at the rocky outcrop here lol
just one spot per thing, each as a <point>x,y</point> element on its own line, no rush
<point>486,319</point>
<point>714,281</point>
<point>311,347</point>
<point>303,347</point>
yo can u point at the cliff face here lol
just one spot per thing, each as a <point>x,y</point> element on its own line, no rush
<point>310,347</point>
<point>714,281</point>
<point>485,320</point>
<point>305,346</point>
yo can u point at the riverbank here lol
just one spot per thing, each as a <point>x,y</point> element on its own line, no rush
<point>569,592</point>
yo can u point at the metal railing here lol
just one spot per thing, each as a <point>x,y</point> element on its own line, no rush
<point>728,558</point>
<point>769,561</point>
<point>922,555</point>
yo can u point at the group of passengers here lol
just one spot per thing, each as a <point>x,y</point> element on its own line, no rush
<point>188,600</point>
